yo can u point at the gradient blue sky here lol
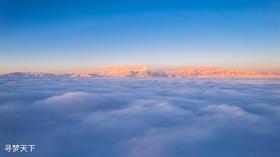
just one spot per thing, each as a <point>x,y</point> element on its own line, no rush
<point>66,35</point>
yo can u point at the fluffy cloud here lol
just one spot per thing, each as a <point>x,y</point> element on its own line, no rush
<point>133,117</point>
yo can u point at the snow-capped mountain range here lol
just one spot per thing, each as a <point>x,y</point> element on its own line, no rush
<point>147,72</point>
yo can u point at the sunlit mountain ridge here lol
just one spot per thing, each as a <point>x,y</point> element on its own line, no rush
<point>146,72</point>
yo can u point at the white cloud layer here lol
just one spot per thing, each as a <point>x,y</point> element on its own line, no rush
<point>130,117</point>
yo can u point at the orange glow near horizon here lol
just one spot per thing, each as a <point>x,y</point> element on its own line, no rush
<point>123,68</point>
<point>167,71</point>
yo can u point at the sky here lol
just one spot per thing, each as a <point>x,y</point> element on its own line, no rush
<point>68,35</point>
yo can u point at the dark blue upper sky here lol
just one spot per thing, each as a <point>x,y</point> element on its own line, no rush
<point>65,34</point>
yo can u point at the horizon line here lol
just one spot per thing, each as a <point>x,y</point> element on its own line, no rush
<point>154,71</point>
<point>92,68</point>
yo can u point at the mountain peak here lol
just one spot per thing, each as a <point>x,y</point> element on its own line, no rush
<point>147,72</point>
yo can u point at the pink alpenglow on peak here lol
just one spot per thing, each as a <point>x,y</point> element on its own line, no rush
<point>184,71</point>
<point>151,72</point>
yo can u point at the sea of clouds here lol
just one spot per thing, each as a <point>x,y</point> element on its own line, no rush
<point>132,117</point>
